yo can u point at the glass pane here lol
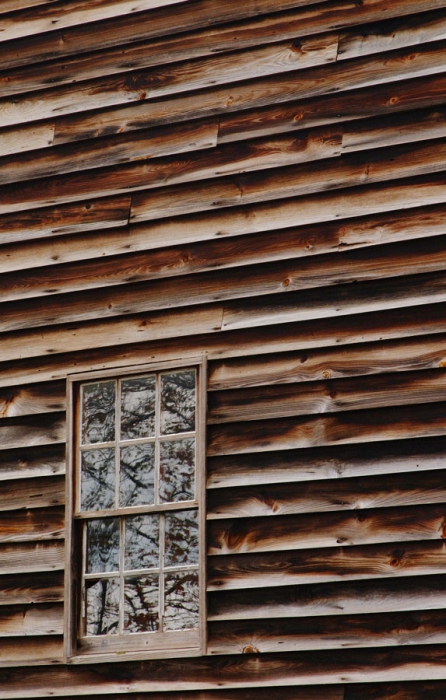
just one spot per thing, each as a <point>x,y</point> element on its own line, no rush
<point>102,607</point>
<point>178,402</point>
<point>102,545</point>
<point>181,545</point>
<point>142,542</point>
<point>98,412</point>
<point>98,479</point>
<point>177,470</point>
<point>138,407</point>
<point>181,609</point>
<point>137,475</point>
<point>141,604</point>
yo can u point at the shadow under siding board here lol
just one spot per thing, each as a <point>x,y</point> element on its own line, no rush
<point>25,400</point>
<point>333,462</point>
<point>27,225</point>
<point>31,651</point>
<point>34,620</point>
<point>32,431</point>
<point>154,23</point>
<point>21,589</point>
<point>41,492</point>
<point>297,532</point>
<point>349,494</point>
<point>32,462</point>
<point>402,64</point>
<point>85,257</point>
<point>349,427</point>
<point>343,330</point>
<point>240,572</point>
<point>264,670</point>
<point>292,24</point>
<point>409,690</point>
<point>364,103</point>
<point>360,631</point>
<point>36,525</point>
<point>362,360</point>
<point>339,598</point>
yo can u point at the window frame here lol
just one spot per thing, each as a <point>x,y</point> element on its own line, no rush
<point>150,645</point>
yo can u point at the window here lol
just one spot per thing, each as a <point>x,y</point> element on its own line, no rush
<point>135,583</point>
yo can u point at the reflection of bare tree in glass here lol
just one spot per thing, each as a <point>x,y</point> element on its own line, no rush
<point>181,538</point>
<point>141,604</point>
<point>177,470</point>
<point>102,607</point>
<point>98,479</point>
<point>181,600</point>
<point>178,402</point>
<point>137,474</point>
<point>102,545</point>
<point>142,542</point>
<point>138,407</point>
<point>98,412</point>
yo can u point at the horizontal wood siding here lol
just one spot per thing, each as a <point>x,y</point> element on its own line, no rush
<point>263,183</point>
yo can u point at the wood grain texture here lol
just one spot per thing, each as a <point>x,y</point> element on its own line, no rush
<point>32,525</point>
<point>290,532</point>
<point>32,431</point>
<point>23,590</point>
<point>349,494</point>
<point>30,557</point>
<point>396,691</point>
<point>339,598</point>
<point>33,493</point>
<point>266,670</point>
<point>391,629</point>
<point>24,401</point>
<point>35,620</point>
<point>333,462</point>
<point>35,462</point>
<point>30,651</point>
<point>336,564</point>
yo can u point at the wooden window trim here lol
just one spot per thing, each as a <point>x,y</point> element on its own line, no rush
<point>145,645</point>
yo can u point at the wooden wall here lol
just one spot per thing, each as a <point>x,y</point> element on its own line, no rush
<point>263,182</point>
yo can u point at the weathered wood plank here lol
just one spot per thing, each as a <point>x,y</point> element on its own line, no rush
<point>153,23</point>
<point>34,462</point>
<point>266,670</point>
<point>358,597</point>
<point>31,620</point>
<point>369,102</point>
<point>155,83</point>
<point>32,525</point>
<point>255,282</point>
<point>434,690</point>
<point>400,32</point>
<point>109,333</point>
<point>354,74</point>
<point>322,496</point>
<point>125,149</point>
<point>18,140</point>
<point>330,692</point>
<point>289,532</point>
<point>32,431</point>
<point>26,558</point>
<point>93,249</point>
<point>374,326</point>
<point>63,220</point>
<point>24,590</point>
<point>302,180</point>
<point>254,571</point>
<point>330,396</point>
<point>299,22</point>
<point>30,651</point>
<point>41,492</point>
<point>314,304</point>
<point>389,630</point>
<point>50,18</point>
<point>334,462</point>
<point>346,428</point>
<point>25,400</point>
<point>360,360</point>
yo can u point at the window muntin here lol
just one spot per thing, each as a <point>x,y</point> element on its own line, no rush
<point>137,519</point>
